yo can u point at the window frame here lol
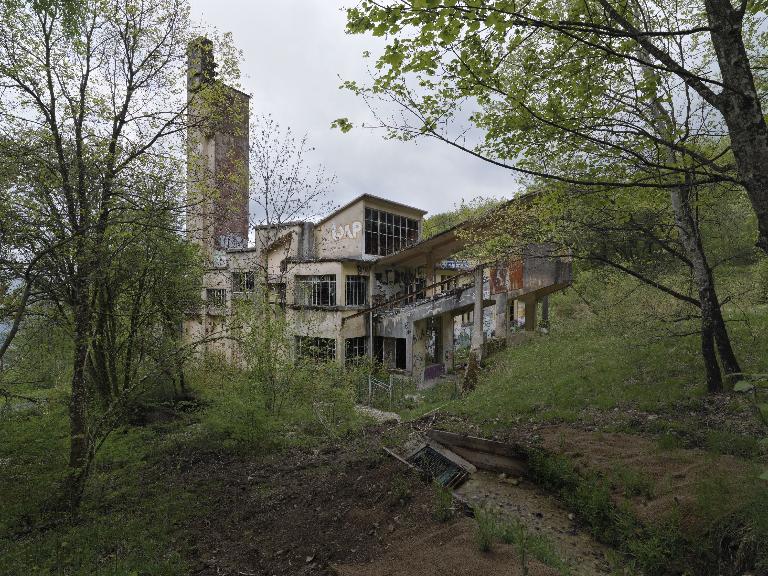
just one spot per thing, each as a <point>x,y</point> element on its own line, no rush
<point>216,297</point>
<point>355,348</point>
<point>316,290</point>
<point>352,287</point>
<point>241,279</point>
<point>316,348</point>
<point>386,233</point>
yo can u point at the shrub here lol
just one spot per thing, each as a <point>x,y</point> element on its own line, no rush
<point>487,529</point>
<point>443,510</point>
<point>733,444</point>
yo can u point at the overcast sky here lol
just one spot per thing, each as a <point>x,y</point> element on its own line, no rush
<point>295,53</point>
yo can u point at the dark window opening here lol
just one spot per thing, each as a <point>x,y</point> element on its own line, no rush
<point>243,282</point>
<point>378,349</point>
<point>316,349</point>
<point>355,349</point>
<point>216,297</point>
<point>386,233</point>
<point>357,291</point>
<point>316,290</point>
<point>400,353</point>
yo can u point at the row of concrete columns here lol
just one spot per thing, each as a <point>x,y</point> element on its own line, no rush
<point>416,342</point>
<point>503,314</point>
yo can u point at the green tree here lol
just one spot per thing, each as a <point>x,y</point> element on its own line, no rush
<point>92,121</point>
<point>543,72</point>
<point>575,105</point>
<point>475,208</point>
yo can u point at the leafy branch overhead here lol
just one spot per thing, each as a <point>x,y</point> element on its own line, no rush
<point>562,90</point>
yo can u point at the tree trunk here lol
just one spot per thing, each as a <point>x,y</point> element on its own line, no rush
<point>711,367</point>
<point>728,358</point>
<point>740,106</point>
<point>78,411</point>
<point>713,325</point>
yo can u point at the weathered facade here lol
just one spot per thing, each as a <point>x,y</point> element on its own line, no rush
<point>360,282</point>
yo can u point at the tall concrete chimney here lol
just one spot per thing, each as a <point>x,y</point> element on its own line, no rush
<point>217,161</point>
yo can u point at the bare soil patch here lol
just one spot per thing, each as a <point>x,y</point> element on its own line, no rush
<point>446,549</point>
<point>346,508</point>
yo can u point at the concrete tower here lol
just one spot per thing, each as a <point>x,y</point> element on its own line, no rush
<point>217,212</point>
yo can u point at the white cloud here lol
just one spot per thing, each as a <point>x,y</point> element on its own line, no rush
<point>295,53</point>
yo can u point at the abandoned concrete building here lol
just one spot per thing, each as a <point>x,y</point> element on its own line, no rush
<point>363,281</point>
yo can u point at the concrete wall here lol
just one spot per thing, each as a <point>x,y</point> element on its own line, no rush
<point>342,236</point>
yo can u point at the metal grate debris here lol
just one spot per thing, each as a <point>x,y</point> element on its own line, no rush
<point>438,467</point>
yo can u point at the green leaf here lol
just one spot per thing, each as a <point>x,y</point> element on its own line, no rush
<point>342,124</point>
<point>764,476</point>
<point>743,386</point>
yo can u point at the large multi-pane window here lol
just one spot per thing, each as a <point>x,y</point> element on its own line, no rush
<point>355,348</point>
<point>316,290</point>
<point>317,349</point>
<point>357,291</point>
<point>243,281</point>
<point>386,233</point>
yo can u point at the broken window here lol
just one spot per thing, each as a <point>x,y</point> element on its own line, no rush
<point>316,349</point>
<point>357,290</point>
<point>216,297</point>
<point>277,293</point>
<point>243,281</point>
<point>355,348</point>
<point>316,290</point>
<point>386,233</point>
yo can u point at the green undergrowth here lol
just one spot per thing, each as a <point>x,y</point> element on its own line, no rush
<point>721,532</point>
<point>651,550</point>
<point>492,527</point>
<point>136,509</point>
<point>609,348</point>
<point>318,406</point>
<point>129,515</point>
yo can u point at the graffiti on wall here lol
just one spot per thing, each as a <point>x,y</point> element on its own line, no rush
<point>342,231</point>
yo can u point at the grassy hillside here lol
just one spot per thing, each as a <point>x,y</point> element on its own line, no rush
<point>616,399</point>
<point>616,345</point>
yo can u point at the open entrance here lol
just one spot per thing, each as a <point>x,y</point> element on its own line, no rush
<point>390,352</point>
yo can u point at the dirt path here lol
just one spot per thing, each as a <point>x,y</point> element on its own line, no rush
<point>445,550</point>
<point>542,515</point>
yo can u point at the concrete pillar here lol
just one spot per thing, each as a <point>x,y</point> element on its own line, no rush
<point>419,351</point>
<point>478,335</point>
<point>409,336</point>
<point>430,274</point>
<point>502,316</point>
<point>446,339</point>
<point>341,351</point>
<point>530,314</point>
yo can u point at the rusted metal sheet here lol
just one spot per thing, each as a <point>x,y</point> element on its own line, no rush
<point>541,267</point>
<point>507,277</point>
